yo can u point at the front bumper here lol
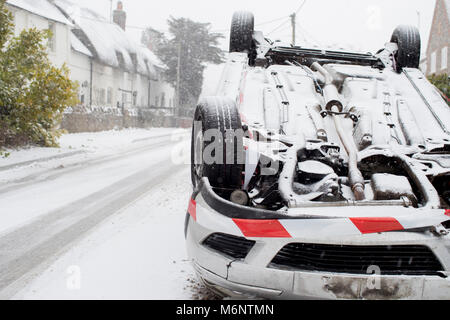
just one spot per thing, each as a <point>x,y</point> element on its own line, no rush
<point>253,278</point>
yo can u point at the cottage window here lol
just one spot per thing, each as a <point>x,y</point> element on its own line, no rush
<point>96,96</point>
<point>120,59</point>
<point>444,58</point>
<point>52,39</point>
<point>163,100</point>
<point>109,97</point>
<point>102,96</point>
<point>124,99</point>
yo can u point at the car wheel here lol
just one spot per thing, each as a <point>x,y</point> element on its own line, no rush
<point>214,153</point>
<point>242,27</point>
<point>408,41</point>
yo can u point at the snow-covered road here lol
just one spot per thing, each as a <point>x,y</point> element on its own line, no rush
<point>105,223</point>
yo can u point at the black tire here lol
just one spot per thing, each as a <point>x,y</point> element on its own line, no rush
<point>408,41</point>
<point>221,114</point>
<point>242,28</point>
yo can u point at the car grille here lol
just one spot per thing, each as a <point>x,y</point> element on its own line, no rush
<point>234,247</point>
<point>392,260</point>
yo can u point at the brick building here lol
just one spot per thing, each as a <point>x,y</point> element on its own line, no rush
<point>438,54</point>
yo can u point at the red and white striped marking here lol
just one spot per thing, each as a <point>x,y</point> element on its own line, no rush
<point>293,228</point>
<point>376,225</point>
<point>262,228</point>
<point>242,88</point>
<point>192,209</point>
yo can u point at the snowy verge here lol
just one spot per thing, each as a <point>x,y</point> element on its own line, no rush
<point>74,144</point>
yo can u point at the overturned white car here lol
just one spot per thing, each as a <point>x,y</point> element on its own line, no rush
<point>321,174</point>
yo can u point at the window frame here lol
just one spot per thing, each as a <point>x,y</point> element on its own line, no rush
<point>444,58</point>
<point>433,62</point>
<point>52,40</point>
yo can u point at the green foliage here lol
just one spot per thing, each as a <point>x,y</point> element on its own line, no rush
<point>33,93</point>
<point>190,47</point>
<point>441,82</point>
<point>4,154</point>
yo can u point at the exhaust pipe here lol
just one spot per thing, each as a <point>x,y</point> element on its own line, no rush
<point>330,92</point>
<point>354,175</point>
<point>334,105</point>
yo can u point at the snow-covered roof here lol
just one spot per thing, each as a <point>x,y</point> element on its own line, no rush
<point>151,56</point>
<point>107,38</point>
<point>78,46</point>
<point>111,44</point>
<point>41,8</point>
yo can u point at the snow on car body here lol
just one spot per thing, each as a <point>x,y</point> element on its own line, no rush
<point>344,187</point>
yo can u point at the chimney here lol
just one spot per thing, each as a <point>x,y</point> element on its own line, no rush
<point>120,16</point>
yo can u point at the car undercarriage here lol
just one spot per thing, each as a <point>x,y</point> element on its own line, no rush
<point>317,139</point>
